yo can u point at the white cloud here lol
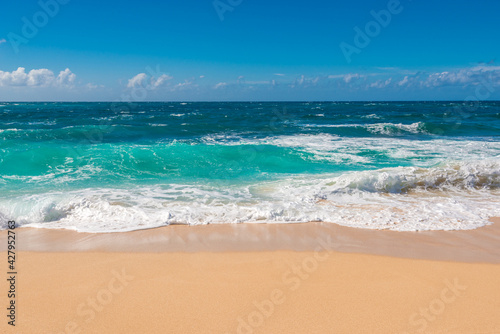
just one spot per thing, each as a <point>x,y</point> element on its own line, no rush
<point>65,77</point>
<point>41,77</point>
<point>137,81</point>
<point>305,82</point>
<point>349,77</point>
<point>300,82</point>
<point>486,68</point>
<point>183,86</point>
<point>279,74</point>
<point>14,78</point>
<point>91,86</point>
<point>404,81</point>
<point>37,78</point>
<point>447,78</point>
<point>241,80</point>
<point>381,83</point>
<point>220,85</point>
<point>2,41</point>
<point>463,77</point>
<point>142,80</point>
<point>161,80</point>
<point>353,82</point>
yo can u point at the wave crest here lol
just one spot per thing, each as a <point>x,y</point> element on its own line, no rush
<point>392,129</point>
<point>449,176</point>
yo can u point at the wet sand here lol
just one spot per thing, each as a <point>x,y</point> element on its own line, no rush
<point>479,245</point>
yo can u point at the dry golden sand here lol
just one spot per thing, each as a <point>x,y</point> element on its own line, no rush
<point>304,278</point>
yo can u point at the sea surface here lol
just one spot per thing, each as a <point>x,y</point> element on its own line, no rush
<point>104,167</point>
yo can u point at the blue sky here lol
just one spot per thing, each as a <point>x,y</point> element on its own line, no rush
<point>249,50</point>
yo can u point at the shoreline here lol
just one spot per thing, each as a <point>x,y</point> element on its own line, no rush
<point>478,245</point>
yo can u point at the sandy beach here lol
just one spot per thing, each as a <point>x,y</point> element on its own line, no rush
<point>257,278</point>
<point>250,167</point>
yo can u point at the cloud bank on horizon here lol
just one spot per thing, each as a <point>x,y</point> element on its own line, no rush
<point>382,50</point>
<point>480,80</point>
<point>37,78</point>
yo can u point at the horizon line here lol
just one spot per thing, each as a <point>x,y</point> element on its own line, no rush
<point>244,101</point>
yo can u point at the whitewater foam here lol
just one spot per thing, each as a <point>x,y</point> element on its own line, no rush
<point>388,129</point>
<point>461,195</point>
<point>399,128</point>
<point>422,153</point>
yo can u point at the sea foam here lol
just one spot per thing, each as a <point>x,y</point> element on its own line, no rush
<point>461,195</point>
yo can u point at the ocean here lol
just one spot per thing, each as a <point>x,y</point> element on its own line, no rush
<point>106,167</point>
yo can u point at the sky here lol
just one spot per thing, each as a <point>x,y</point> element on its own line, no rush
<point>249,50</point>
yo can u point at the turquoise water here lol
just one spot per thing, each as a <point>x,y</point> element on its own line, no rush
<point>102,167</point>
